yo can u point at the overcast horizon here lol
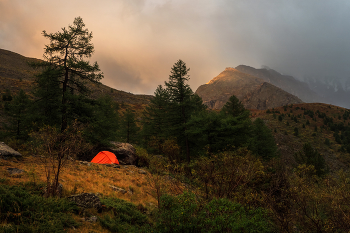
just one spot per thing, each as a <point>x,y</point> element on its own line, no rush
<point>138,41</point>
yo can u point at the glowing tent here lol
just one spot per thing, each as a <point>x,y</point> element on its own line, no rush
<point>105,157</point>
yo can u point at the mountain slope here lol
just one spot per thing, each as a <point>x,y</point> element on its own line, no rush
<point>254,92</point>
<point>285,82</point>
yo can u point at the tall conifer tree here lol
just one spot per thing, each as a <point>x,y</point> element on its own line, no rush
<point>182,103</point>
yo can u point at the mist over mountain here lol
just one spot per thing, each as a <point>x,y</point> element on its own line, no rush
<point>332,90</point>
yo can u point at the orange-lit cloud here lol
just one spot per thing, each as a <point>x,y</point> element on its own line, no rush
<point>138,41</point>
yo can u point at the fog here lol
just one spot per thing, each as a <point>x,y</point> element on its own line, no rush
<point>138,41</point>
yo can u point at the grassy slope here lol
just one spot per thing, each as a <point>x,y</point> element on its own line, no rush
<point>78,178</point>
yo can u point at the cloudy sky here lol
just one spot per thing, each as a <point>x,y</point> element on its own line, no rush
<point>138,41</point>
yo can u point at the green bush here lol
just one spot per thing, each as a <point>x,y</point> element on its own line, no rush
<point>185,213</point>
<point>26,212</point>
<point>123,217</point>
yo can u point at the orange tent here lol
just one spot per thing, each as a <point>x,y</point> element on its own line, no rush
<point>105,157</point>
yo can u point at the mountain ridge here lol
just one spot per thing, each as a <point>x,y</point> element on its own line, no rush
<point>285,82</point>
<point>254,92</point>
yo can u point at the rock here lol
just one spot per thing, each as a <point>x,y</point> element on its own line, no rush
<point>125,152</point>
<point>142,171</point>
<point>6,151</point>
<point>123,191</point>
<point>85,163</point>
<point>91,219</point>
<point>86,200</point>
<point>14,171</point>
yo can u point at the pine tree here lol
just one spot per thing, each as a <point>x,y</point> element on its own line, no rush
<point>311,156</point>
<point>103,126</point>
<point>17,109</point>
<point>236,124</point>
<point>234,107</point>
<point>262,142</point>
<point>66,54</point>
<point>129,128</point>
<point>182,104</point>
<point>204,131</point>
<point>154,120</point>
<point>47,106</point>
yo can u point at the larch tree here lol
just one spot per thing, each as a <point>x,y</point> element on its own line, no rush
<point>68,53</point>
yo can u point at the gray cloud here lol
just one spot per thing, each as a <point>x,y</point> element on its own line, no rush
<point>138,41</point>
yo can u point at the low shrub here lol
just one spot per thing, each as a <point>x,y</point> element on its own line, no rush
<point>185,213</point>
<point>26,212</point>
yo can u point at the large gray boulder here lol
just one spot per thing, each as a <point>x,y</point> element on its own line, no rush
<point>6,151</point>
<point>125,152</point>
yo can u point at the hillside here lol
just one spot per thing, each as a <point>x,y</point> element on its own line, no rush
<point>283,120</point>
<point>254,92</point>
<point>16,74</point>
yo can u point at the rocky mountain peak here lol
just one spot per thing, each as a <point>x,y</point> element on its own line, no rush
<point>254,92</point>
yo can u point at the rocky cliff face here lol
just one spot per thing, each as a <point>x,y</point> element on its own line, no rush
<point>254,92</point>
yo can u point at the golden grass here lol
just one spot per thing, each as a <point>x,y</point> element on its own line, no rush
<point>78,178</point>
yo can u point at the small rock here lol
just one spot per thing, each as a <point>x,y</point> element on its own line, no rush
<point>123,191</point>
<point>91,219</point>
<point>116,166</point>
<point>151,204</point>
<point>86,200</point>
<point>142,171</point>
<point>85,163</point>
<point>14,171</point>
<point>168,178</point>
